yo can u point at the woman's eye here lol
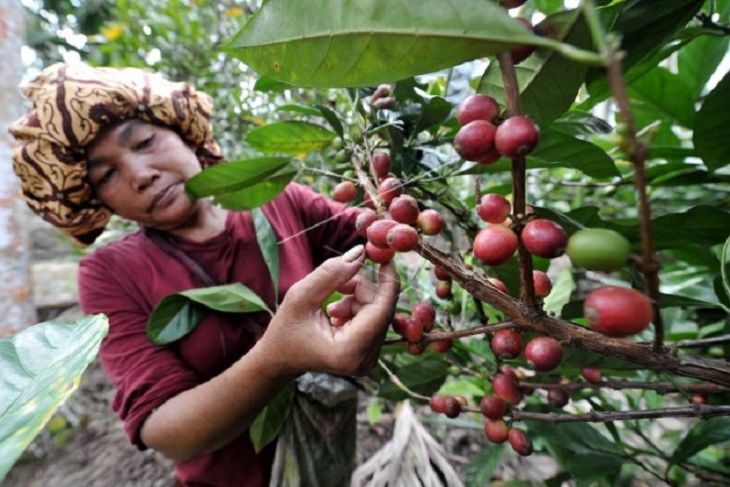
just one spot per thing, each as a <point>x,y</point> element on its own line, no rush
<point>146,142</point>
<point>106,176</point>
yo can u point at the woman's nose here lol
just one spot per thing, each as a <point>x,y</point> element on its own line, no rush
<point>142,175</point>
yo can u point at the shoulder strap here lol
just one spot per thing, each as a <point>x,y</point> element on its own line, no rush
<point>162,240</point>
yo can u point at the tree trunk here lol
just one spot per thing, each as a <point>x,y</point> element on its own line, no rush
<point>16,298</point>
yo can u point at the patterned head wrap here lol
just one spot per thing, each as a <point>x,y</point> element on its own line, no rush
<point>71,105</point>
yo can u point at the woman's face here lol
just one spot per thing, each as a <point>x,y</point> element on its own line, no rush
<point>138,170</point>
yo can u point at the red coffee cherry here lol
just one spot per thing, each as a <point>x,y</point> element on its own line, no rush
<point>558,397</point>
<point>517,136</point>
<point>520,442</point>
<point>507,344</point>
<point>475,140</point>
<point>544,238</point>
<point>441,346</point>
<point>389,188</point>
<point>441,274</point>
<point>617,311</point>
<point>381,164</point>
<point>443,289</point>
<point>490,157</point>
<point>512,3</point>
<point>415,348</point>
<point>496,430</point>
<point>498,283</point>
<point>402,238</point>
<point>368,201</point>
<point>430,222</point>
<point>591,374</point>
<point>404,209</point>
<point>492,407</point>
<point>542,284</point>
<point>448,405</point>
<point>521,53</point>
<point>424,314</point>
<point>477,107</point>
<point>506,388</point>
<point>493,208</point>
<point>698,398</point>
<point>376,254</point>
<point>412,330</point>
<point>344,192</point>
<point>364,220</point>
<point>495,244</point>
<point>399,323</point>
<point>544,353</point>
<point>377,233</point>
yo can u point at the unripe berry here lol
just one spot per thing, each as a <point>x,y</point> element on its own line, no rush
<point>389,188</point>
<point>424,314</point>
<point>364,220</point>
<point>496,430</point>
<point>477,107</point>
<point>404,209</point>
<point>542,284</point>
<point>495,244</point>
<point>498,283</point>
<point>441,346</point>
<point>443,289</point>
<point>507,344</point>
<point>520,442</point>
<point>544,238</point>
<point>441,274</point>
<point>345,192</point>
<point>517,136</point>
<point>381,164</point>
<point>591,374</point>
<point>492,407</point>
<point>475,140</point>
<point>506,388</point>
<point>377,233</point>
<point>337,143</point>
<point>521,53</point>
<point>558,397</point>
<point>376,254</point>
<point>598,249</point>
<point>493,208</point>
<point>430,222</point>
<point>617,311</point>
<point>402,238</point>
<point>544,353</point>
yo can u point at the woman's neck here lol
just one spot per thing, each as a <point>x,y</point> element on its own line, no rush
<point>208,221</point>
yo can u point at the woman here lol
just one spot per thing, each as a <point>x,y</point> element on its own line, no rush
<point>100,141</point>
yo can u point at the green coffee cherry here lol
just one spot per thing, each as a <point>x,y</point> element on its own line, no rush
<point>337,143</point>
<point>598,249</point>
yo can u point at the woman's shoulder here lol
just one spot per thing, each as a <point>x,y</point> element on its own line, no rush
<point>119,252</point>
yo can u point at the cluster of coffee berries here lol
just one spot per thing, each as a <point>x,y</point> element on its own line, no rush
<point>381,97</point>
<point>413,327</point>
<point>506,392</point>
<point>443,283</point>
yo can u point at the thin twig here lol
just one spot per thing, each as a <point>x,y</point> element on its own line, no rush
<point>400,385</point>
<point>450,335</point>
<point>695,411</point>
<point>660,387</point>
<point>704,342</point>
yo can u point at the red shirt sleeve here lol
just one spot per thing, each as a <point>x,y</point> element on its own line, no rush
<point>145,375</point>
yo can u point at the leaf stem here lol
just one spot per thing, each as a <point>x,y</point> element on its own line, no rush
<point>696,411</point>
<point>400,385</point>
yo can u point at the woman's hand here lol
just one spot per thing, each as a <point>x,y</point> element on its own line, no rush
<point>302,338</point>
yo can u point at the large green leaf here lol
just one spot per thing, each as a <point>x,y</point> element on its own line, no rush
<point>548,81</point>
<point>257,195</point>
<point>269,422</point>
<point>39,369</point>
<point>699,59</point>
<point>269,247</point>
<point>667,94</point>
<point>712,127</point>
<point>702,435</point>
<point>178,314</point>
<point>233,176</point>
<point>339,43</point>
<point>560,294</point>
<point>482,465</point>
<point>290,137</point>
<point>424,376</point>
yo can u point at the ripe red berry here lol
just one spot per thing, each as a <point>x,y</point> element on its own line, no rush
<point>443,289</point>
<point>591,374</point>
<point>493,208</point>
<point>495,244</point>
<point>544,353</point>
<point>389,188</point>
<point>506,388</point>
<point>512,3</point>
<point>698,399</point>
<point>542,284</point>
<point>496,430</point>
<point>402,238</point>
<point>345,192</point>
<point>558,397</point>
<point>477,107</point>
<point>368,201</point>
<point>544,238</point>
<point>441,346</point>
<point>399,323</point>
<point>492,407</point>
<point>520,442</point>
<point>448,405</point>
<point>441,274</point>
<point>381,164</point>
<point>438,404</point>
<point>507,344</point>
<point>377,233</point>
<point>404,209</point>
<point>498,283</point>
<point>376,254</point>
<point>415,348</point>
<point>412,330</point>
<point>425,314</point>
<point>364,220</point>
<point>617,311</point>
<point>490,157</point>
<point>521,53</point>
<point>475,140</point>
<point>430,222</point>
<point>517,136</point>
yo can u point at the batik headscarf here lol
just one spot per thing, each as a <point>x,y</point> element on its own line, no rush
<point>71,104</point>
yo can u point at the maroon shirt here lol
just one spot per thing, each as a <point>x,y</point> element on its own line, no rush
<point>126,279</point>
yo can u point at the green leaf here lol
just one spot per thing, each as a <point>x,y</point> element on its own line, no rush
<point>462,387</point>
<point>266,84</point>
<point>701,225</point>
<point>548,81</point>
<point>434,110</point>
<point>482,466</point>
<point>560,294</point>
<point>699,59</point>
<point>269,247</point>
<point>304,110</point>
<point>233,176</point>
<point>579,123</point>
<point>332,118</point>
<point>178,314</point>
<point>667,94</point>
<point>723,267</point>
<point>424,376</point>
<point>702,435</point>
<point>367,42</point>
<point>712,127</point>
<point>269,422</point>
<point>41,367</point>
<point>290,137</point>
<point>374,411</point>
<point>257,195</point>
